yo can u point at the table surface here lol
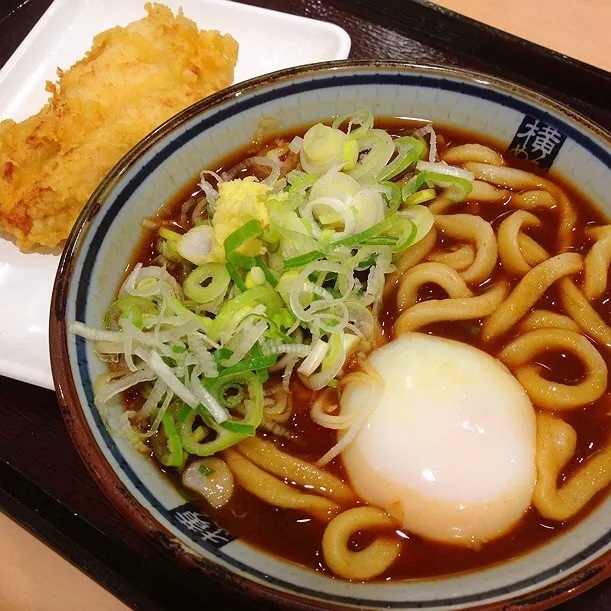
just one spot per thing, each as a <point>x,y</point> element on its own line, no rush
<point>577,28</point>
<point>36,575</point>
<point>43,483</point>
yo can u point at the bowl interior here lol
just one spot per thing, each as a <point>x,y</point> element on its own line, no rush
<point>149,176</point>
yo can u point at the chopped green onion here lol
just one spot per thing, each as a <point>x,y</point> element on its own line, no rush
<point>412,185</point>
<point>456,181</point>
<point>233,274</point>
<point>409,149</point>
<point>128,305</point>
<point>168,234</point>
<point>373,231</point>
<point>325,147</point>
<point>300,181</point>
<point>456,188</point>
<point>166,442</point>
<point>239,427</point>
<point>269,276</point>
<point>302,260</point>
<point>205,470</point>
<point>216,280</point>
<point>405,230</point>
<point>260,362</point>
<point>231,401</point>
<point>231,307</point>
<point>381,240</point>
<point>420,197</point>
<point>182,413</point>
<point>362,118</point>
<point>261,372</point>
<point>194,440</point>
<point>251,229</point>
<point>379,147</point>
<point>221,354</point>
<point>168,249</point>
<point>393,198</point>
<point>204,412</point>
<point>195,245</point>
<point>421,217</point>
<point>255,277</point>
<point>181,310</point>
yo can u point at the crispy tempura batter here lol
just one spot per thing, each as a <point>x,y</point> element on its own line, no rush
<point>131,80</point>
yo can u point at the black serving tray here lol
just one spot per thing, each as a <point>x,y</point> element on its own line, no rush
<point>585,87</point>
<point>43,483</point>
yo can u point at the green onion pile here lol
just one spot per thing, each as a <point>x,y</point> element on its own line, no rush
<point>284,274</point>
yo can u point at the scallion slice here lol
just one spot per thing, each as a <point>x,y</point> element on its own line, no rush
<point>409,150</point>
<point>302,260</point>
<point>215,277</point>
<point>420,197</point>
<point>239,427</point>
<point>250,229</point>
<point>412,185</point>
<point>373,231</point>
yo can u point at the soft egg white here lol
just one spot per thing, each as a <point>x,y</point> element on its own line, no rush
<point>450,448</point>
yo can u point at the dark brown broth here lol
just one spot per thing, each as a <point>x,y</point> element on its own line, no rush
<point>295,536</point>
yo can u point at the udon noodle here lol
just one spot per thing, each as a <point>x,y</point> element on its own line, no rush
<point>508,267</point>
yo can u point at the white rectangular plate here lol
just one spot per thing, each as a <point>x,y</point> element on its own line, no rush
<point>268,41</point>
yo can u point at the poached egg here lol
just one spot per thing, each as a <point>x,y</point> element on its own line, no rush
<point>450,448</point>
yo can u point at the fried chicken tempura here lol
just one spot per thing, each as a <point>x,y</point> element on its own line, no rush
<point>131,80</point>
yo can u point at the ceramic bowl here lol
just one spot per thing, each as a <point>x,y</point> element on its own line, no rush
<point>100,246</point>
